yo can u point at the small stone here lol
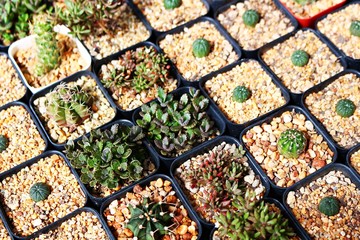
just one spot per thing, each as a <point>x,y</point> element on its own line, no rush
<point>182,229</point>
<point>159,183</point>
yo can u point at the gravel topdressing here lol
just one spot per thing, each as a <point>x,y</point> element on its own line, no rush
<point>4,235</point>
<point>273,23</point>
<point>253,76</point>
<point>310,9</point>
<point>178,47</point>
<point>345,131</point>
<point>336,27</point>
<point>162,19</point>
<point>27,216</point>
<point>355,160</point>
<point>322,62</point>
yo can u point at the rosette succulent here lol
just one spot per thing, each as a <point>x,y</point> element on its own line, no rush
<point>171,4</point>
<point>201,48</point>
<point>329,206</point>
<point>355,28</point>
<point>241,94</point>
<point>345,108</point>
<point>4,143</point>
<point>39,191</point>
<point>300,58</point>
<point>292,143</point>
<point>251,17</point>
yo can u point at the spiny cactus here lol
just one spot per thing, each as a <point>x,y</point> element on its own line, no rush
<point>171,4</point>
<point>241,94</point>
<point>345,108</point>
<point>292,143</point>
<point>68,106</point>
<point>39,191</point>
<point>300,58</point>
<point>329,206</point>
<point>355,28</point>
<point>251,17</point>
<point>201,47</point>
<point>4,143</point>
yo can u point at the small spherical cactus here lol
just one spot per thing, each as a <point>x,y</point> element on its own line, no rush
<point>241,94</point>
<point>171,4</point>
<point>355,28</point>
<point>291,143</point>
<point>4,143</point>
<point>329,206</point>
<point>251,18</point>
<point>345,108</point>
<point>300,58</point>
<point>39,191</point>
<point>201,48</point>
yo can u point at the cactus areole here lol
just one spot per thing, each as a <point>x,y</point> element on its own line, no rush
<point>291,143</point>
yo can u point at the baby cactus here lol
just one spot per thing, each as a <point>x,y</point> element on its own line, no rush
<point>304,2</point>
<point>300,58</point>
<point>251,17</point>
<point>329,206</point>
<point>345,108</point>
<point>4,142</point>
<point>241,94</point>
<point>292,143</point>
<point>171,4</point>
<point>201,48</point>
<point>355,28</point>
<point>39,191</point>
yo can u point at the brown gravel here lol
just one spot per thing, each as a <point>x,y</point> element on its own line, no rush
<point>84,226</point>
<point>71,62</point>
<point>355,160</point>
<point>4,235</point>
<point>261,141</point>
<point>25,141</point>
<point>273,23</point>
<point>322,63</point>
<point>162,19</point>
<point>28,216</point>
<point>345,131</point>
<point>131,31</point>
<point>344,225</point>
<point>104,114</point>
<point>178,48</point>
<point>118,213</point>
<point>336,27</point>
<point>11,87</point>
<point>253,76</point>
<point>310,9</point>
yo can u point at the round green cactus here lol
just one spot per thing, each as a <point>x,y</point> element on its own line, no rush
<point>292,143</point>
<point>39,191</point>
<point>251,18</point>
<point>241,94</point>
<point>329,206</point>
<point>355,28</point>
<point>201,48</point>
<point>300,58</point>
<point>345,108</point>
<point>4,143</point>
<point>171,4</point>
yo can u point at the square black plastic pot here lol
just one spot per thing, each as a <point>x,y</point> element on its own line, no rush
<point>205,148</point>
<point>342,151</point>
<point>300,232</point>
<point>38,127</point>
<point>28,164</point>
<point>278,191</point>
<point>213,114</point>
<point>234,129</point>
<point>296,97</point>
<point>254,53</point>
<point>348,158</point>
<point>98,64</point>
<point>322,172</point>
<point>72,78</point>
<point>6,226</point>
<point>219,28</point>
<point>145,183</point>
<point>152,154</point>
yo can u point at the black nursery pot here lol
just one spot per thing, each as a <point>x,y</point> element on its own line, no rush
<point>205,148</point>
<point>234,129</point>
<point>348,160</point>
<point>15,170</point>
<point>98,64</point>
<point>146,182</point>
<point>152,154</point>
<point>276,189</point>
<point>189,25</point>
<point>296,97</point>
<point>213,114</point>
<point>254,53</point>
<point>72,78</point>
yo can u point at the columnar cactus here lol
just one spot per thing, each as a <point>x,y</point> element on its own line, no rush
<point>292,143</point>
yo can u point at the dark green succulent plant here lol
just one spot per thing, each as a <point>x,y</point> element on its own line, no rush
<point>251,17</point>
<point>345,108</point>
<point>4,143</point>
<point>171,4</point>
<point>292,143</point>
<point>329,206</point>
<point>109,158</point>
<point>201,47</point>
<point>300,58</point>
<point>39,191</point>
<point>176,126</point>
<point>355,28</point>
<point>241,94</point>
<point>305,2</point>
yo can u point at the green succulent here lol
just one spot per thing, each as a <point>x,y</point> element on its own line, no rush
<point>110,157</point>
<point>305,2</point>
<point>292,143</point>
<point>4,143</point>
<point>172,4</point>
<point>355,28</point>
<point>300,58</point>
<point>251,17</point>
<point>39,191</point>
<point>177,125</point>
<point>329,206</point>
<point>345,108</point>
<point>201,47</point>
<point>241,94</point>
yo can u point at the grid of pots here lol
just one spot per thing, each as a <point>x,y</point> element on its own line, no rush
<point>108,205</point>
